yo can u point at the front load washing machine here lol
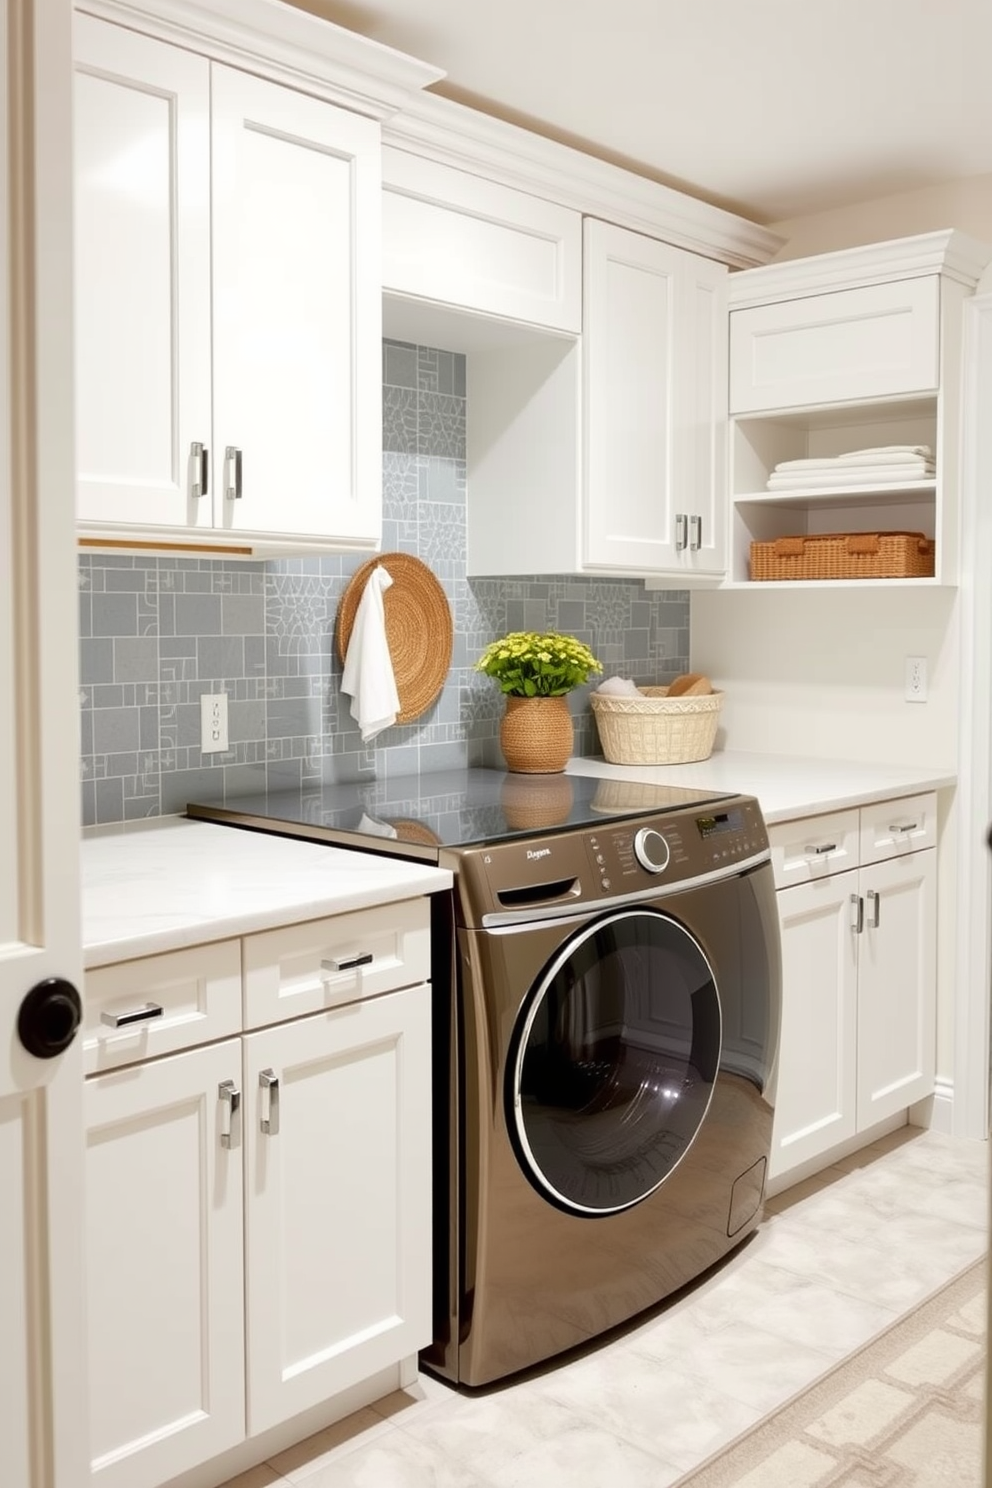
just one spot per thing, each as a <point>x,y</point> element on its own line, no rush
<point>616,996</point>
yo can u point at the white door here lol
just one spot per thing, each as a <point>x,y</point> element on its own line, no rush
<point>297,313</point>
<point>897,980</point>
<point>337,1199</point>
<point>815,1097</point>
<point>700,395</point>
<point>164,1265</point>
<point>142,261</point>
<point>630,310</point>
<point>42,1395</point>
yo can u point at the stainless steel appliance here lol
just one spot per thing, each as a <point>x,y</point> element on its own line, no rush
<point>606,1007</point>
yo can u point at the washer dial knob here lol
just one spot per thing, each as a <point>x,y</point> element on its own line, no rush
<point>651,850</point>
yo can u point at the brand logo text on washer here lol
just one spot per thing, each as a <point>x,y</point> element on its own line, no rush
<point>541,852</point>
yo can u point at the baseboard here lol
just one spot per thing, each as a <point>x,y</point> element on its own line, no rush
<point>936,1113</point>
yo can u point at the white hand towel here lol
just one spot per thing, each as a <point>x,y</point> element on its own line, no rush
<point>368,667</point>
<point>619,687</point>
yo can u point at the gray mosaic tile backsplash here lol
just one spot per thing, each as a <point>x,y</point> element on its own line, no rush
<point>156,632</point>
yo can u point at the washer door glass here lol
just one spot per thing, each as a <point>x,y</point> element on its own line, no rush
<point>614,1058</point>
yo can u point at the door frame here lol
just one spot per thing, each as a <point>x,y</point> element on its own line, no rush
<point>973,976</point>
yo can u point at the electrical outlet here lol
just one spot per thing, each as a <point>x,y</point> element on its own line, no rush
<point>916,679</point>
<point>213,722</point>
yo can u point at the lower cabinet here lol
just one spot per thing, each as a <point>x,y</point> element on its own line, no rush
<point>258,1207</point>
<point>164,1265</point>
<point>859,975</point>
<point>337,1200</point>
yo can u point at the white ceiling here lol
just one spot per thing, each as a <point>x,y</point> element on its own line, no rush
<point>772,108</point>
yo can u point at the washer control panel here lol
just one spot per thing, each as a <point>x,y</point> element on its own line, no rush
<point>627,857</point>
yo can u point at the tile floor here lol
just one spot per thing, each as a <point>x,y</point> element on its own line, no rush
<point>836,1260</point>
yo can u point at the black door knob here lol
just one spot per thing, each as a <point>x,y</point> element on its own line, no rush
<point>49,1017</point>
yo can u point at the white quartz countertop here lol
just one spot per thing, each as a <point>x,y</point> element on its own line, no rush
<point>179,883</point>
<point>786,786</point>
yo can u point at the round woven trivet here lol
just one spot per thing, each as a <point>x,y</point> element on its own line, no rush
<point>418,628</point>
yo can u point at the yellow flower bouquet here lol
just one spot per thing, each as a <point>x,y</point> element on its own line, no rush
<point>527,663</point>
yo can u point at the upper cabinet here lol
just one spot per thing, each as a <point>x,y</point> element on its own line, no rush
<point>455,239</point>
<point>845,353</point>
<point>228,296</point>
<point>607,455</point>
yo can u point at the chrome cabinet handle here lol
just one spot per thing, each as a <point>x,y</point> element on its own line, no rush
<point>133,1015</point>
<point>857,913</point>
<point>199,466</point>
<point>896,828</point>
<point>812,851</point>
<point>230,1096</point>
<point>695,534</point>
<point>232,468</point>
<point>347,963</point>
<point>268,1082</point>
<point>680,532</point>
<point>875,901</point>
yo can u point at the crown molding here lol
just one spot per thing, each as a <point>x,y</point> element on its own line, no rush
<point>950,253</point>
<point>453,134</point>
<point>284,43</point>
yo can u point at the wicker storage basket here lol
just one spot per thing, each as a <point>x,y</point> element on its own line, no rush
<point>845,555</point>
<point>655,729</point>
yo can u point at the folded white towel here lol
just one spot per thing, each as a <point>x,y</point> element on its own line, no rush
<point>910,459</point>
<point>884,452</point>
<point>848,475</point>
<point>368,667</point>
<point>619,687</point>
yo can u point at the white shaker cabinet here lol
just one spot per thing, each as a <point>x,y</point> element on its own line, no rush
<point>654,405</point>
<point>338,1200</point>
<point>857,908</point>
<point>608,456</point>
<point>258,1186</point>
<point>229,314</point>
<point>164,1261</point>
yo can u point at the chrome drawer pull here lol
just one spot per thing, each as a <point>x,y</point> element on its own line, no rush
<point>812,851</point>
<point>857,913</point>
<point>230,1131</point>
<point>269,1084</point>
<point>898,827</point>
<point>199,457</point>
<point>133,1015</point>
<point>232,484</point>
<point>347,963</point>
<point>695,534</point>
<point>680,531</point>
<point>875,901</point>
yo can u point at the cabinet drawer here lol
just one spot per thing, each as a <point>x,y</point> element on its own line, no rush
<point>304,968</point>
<point>891,828</point>
<point>198,992</point>
<point>814,847</point>
<point>878,341</point>
<point>454,238</point>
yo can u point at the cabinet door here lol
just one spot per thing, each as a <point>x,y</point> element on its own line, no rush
<point>142,265</point>
<point>164,1263</point>
<point>897,978</point>
<point>701,413</point>
<point>297,313</point>
<point>338,1200</point>
<point>629,316</point>
<point>817,1076</point>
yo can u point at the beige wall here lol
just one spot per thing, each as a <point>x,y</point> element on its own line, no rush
<point>965,204</point>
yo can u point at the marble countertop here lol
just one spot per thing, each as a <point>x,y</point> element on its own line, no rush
<point>163,885</point>
<point>179,883</point>
<point>786,786</point>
